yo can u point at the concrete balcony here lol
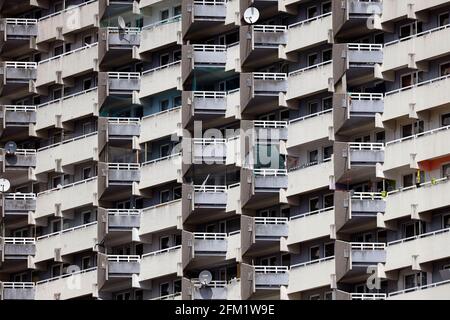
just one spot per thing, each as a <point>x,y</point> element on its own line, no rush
<point>357,160</point>
<point>17,290</point>
<point>58,68</point>
<point>310,80</point>
<point>123,219</point>
<point>161,217</point>
<point>17,248</point>
<point>69,152</point>
<point>313,127</point>
<point>208,105</point>
<point>202,249</point>
<point>412,150</point>
<point>172,296</point>
<point>308,33</point>
<point>270,179</point>
<point>270,130</point>
<point>66,242</point>
<point>123,128</point>
<point>200,16</point>
<point>394,10</point>
<point>161,124</point>
<point>160,171</point>
<point>353,258</point>
<point>417,250</point>
<point>123,173</point>
<point>350,17</point>
<point>17,116</point>
<point>434,291</point>
<point>118,85</point>
<point>18,28</point>
<point>311,225</point>
<point>354,209</point>
<point>268,228</point>
<point>312,274</point>
<point>18,203</point>
<point>58,25</point>
<point>123,266</point>
<point>367,296</point>
<point>211,102</point>
<point>18,73</point>
<point>71,107</point>
<point>22,159</point>
<point>57,200</point>
<point>160,35</point>
<point>416,49</point>
<point>210,196</point>
<point>69,286</point>
<point>270,277</point>
<point>123,39</point>
<point>311,176</point>
<point>262,90</point>
<point>260,44</point>
<point>161,263</point>
<point>356,109</point>
<point>215,290</point>
<point>161,79</point>
<point>423,96</point>
<point>209,150</point>
<point>412,201</point>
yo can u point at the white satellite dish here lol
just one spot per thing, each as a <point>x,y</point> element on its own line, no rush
<point>121,23</point>
<point>4,185</point>
<point>251,15</point>
<point>205,277</point>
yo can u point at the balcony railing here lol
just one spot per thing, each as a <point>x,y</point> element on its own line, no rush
<point>162,67</point>
<point>162,22</point>
<point>271,220</point>
<point>269,76</point>
<point>269,28</point>
<point>420,236</point>
<point>124,120</point>
<point>123,166</point>
<point>316,66</point>
<point>18,285</point>
<point>171,296</point>
<point>367,196</point>
<point>301,23</point>
<point>424,184</point>
<point>368,296</point>
<point>67,185</point>
<point>308,263</point>
<point>68,53</point>
<point>270,124</point>
<point>19,108</point>
<point>210,94</point>
<point>419,288</point>
<point>124,258</point>
<point>365,96</point>
<point>21,21</point>
<point>419,84</point>
<point>210,236</point>
<point>309,116</point>
<point>155,253</point>
<point>270,172</point>
<point>271,269</point>
<point>19,241</point>
<point>368,246</point>
<point>311,213</point>
<point>67,275</point>
<point>210,188</point>
<point>67,141</point>
<point>83,226</point>
<point>212,284</point>
<point>20,65</point>
<point>124,75</point>
<point>417,35</point>
<point>309,164</point>
<point>20,196</point>
<point>67,9</point>
<point>366,146</point>
<point>365,47</point>
<point>128,30</point>
<point>418,135</point>
<point>209,48</point>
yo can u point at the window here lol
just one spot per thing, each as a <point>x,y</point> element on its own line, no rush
<point>314,297</point>
<point>176,286</point>
<point>177,238</point>
<point>410,29</point>
<point>164,105</point>
<point>328,200</point>
<point>329,249</point>
<point>311,12</point>
<point>177,11</point>
<point>284,115</point>
<point>87,84</point>
<point>177,101</point>
<point>382,236</point>
<point>56,270</point>
<point>87,40</point>
<point>124,296</point>
<point>67,47</point>
<point>445,69</point>
<point>313,157</point>
<point>327,152</point>
<point>36,57</point>
<point>139,295</point>
<point>57,50</point>
<point>328,295</point>
<point>380,136</point>
<point>86,217</point>
<point>164,14</point>
<point>139,23</point>
<point>86,263</point>
<point>413,229</point>
<point>165,196</point>
<point>446,221</point>
<point>57,93</point>
<point>411,129</point>
<point>446,170</point>
<point>443,19</point>
<point>445,119</point>
<point>314,253</point>
<point>313,107</point>
<point>313,204</point>
<point>415,280</point>
<point>326,7</point>
<point>87,128</point>
<point>379,38</point>
<point>36,100</point>
<point>408,180</point>
<point>409,79</point>
<point>164,289</point>
<point>327,55</point>
<point>313,59</point>
<point>164,150</point>
<point>56,226</point>
<point>164,59</point>
<point>87,173</point>
<point>177,55</point>
<point>177,193</point>
<point>139,249</point>
<point>124,205</point>
<point>327,103</point>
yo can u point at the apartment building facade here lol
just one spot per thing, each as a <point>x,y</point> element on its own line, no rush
<point>303,156</point>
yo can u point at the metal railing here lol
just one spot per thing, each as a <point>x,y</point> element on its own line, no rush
<point>308,263</point>
<point>210,2</point>
<point>128,30</point>
<point>171,296</point>
<point>68,141</point>
<point>20,196</point>
<point>366,146</point>
<point>208,141</point>
<point>68,53</point>
<point>20,21</point>
<point>70,185</point>
<point>209,94</point>
<point>300,23</point>
<point>162,22</point>
<point>368,296</point>
<point>365,46</point>
<point>25,152</point>
<point>316,66</point>
<point>417,35</point>
<point>19,108</point>
<point>212,284</point>
<point>123,166</point>
<point>178,108</point>
<point>124,75</point>
<point>367,196</point>
<point>269,76</point>
<point>365,96</point>
<point>416,85</point>
<point>424,184</point>
<point>67,9</point>
<point>80,227</point>
<point>117,120</point>
<point>312,115</point>
<point>66,97</point>
<point>270,124</point>
<point>311,213</point>
<point>210,188</point>
<point>170,156</point>
<point>271,220</point>
<point>418,135</point>
<point>269,28</point>
<point>368,246</point>
<point>418,288</point>
<point>18,285</point>
<point>20,241</point>
<point>154,253</point>
<point>210,236</point>
<point>67,275</point>
<point>209,47</point>
<point>420,236</point>
<point>123,212</point>
<point>162,67</point>
<point>143,210</point>
<point>309,164</point>
<point>124,258</point>
<point>270,172</point>
<point>271,269</point>
<point>20,65</point>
